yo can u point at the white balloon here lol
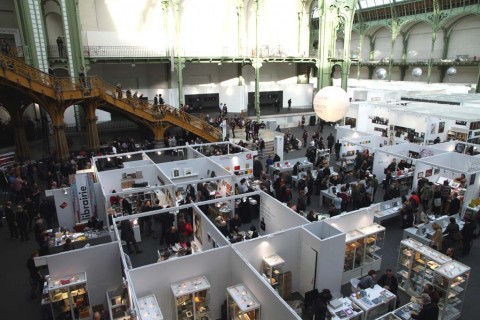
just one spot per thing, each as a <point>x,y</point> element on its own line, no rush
<point>331,104</point>
<point>451,71</point>
<point>381,73</point>
<point>417,72</point>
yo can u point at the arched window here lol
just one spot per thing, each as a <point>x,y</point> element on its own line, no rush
<point>315,12</point>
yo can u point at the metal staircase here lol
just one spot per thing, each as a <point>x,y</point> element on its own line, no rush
<point>64,92</point>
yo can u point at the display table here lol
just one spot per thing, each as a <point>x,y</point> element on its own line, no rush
<point>424,232</point>
<point>375,303</point>
<point>402,313</point>
<point>287,165</point>
<point>387,210</point>
<point>342,308</point>
<point>57,239</point>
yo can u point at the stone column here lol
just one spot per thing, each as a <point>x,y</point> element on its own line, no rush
<point>22,148</point>
<point>61,145</point>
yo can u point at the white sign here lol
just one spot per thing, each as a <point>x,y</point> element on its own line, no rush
<point>83,196</point>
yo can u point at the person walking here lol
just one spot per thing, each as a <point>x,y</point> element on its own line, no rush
<point>303,122</point>
<point>330,142</point>
<point>305,137</point>
<point>373,185</point>
<point>22,223</point>
<point>128,236</point>
<point>289,104</point>
<point>232,125</point>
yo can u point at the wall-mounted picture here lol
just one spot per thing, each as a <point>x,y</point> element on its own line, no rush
<point>436,171</point>
<point>433,128</point>
<point>197,227</point>
<point>428,173</point>
<point>214,243</point>
<point>441,127</point>
<point>209,238</point>
<point>176,172</point>
<point>187,171</point>
<point>472,179</point>
<point>420,175</point>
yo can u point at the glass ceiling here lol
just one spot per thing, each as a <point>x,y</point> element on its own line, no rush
<point>366,4</point>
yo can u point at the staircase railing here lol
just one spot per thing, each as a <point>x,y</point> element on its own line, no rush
<point>92,86</point>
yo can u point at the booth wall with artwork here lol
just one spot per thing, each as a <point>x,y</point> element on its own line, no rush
<point>205,234</point>
<point>127,178</point>
<point>275,216</point>
<point>450,166</point>
<point>240,164</point>
<point>191,169</point>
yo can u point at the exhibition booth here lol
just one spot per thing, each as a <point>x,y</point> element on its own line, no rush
<point>188,291</point>
<point>450,166</point>
<point>82,278</point>
<point>363,242</point>
<point>467,148</point>
<point>410,152</point>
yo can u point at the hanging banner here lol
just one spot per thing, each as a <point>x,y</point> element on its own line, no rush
<point>83,193</point>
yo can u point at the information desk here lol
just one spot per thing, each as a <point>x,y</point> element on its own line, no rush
<point>56,238</point>
<point>343,308</point>
<point>423,232</point>
<point>375,303</point>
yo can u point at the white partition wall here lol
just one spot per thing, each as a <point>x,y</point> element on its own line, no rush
<point>285,244</point>
<point>101,263</point>
<point>328,242</point>
<point>137,163</point>
<point>191,169</point>
<point>271,306</point>
<point>156,278</point>
<point>352,220</point>
<point>112,179</point>
<point>275,216</point>
<point>205,234</point>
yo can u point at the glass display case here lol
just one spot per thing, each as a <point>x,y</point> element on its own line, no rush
<point>273,266</point>
<point>148,308</point>
<point>69,297</point>
<point>192,299</point>
<point>354,252</point>
<point>402,313</point>
<point>416,265</point>
<point>374,237</point>
<point>241,304</point>
<point>451,281</point>
<point>118,303</point>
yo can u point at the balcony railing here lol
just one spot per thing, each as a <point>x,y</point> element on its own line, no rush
<point>123,52</point>
<point>57,52</point>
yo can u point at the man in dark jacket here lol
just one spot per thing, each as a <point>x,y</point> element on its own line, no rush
<point>257,168</point>
<point>429,310</point>
<point>389,282</point>
<point>128,236</point>
<point>22,223</point>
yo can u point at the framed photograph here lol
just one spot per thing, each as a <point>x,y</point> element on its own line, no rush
<point>472,179</point>
<point>428,173</point>
<point>176,172</point>
<point>441,127</point>
<point>214,243</point>
<point>187,171</point>
<point>197,227</point>
<point>433,128</point>
<point>209,238</point>
<point>436,171</point>
<point>420,175</point>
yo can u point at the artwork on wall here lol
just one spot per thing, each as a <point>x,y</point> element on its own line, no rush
<point>197,224</point>
<point>436,171</point>
<point>472,179</point>
<point>441,127</point>
<point>433,128</point>
<point>428,173</point>
<point>420,175</point>
<point>176,172</point>
<point>209,238</point>
<point>187,171</point>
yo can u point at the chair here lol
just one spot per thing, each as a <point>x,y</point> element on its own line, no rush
<point>354,283</point>
<point>180,151</point>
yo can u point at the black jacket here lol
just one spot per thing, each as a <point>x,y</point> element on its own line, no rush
<point>392,283</point>
<point>428,312</point>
